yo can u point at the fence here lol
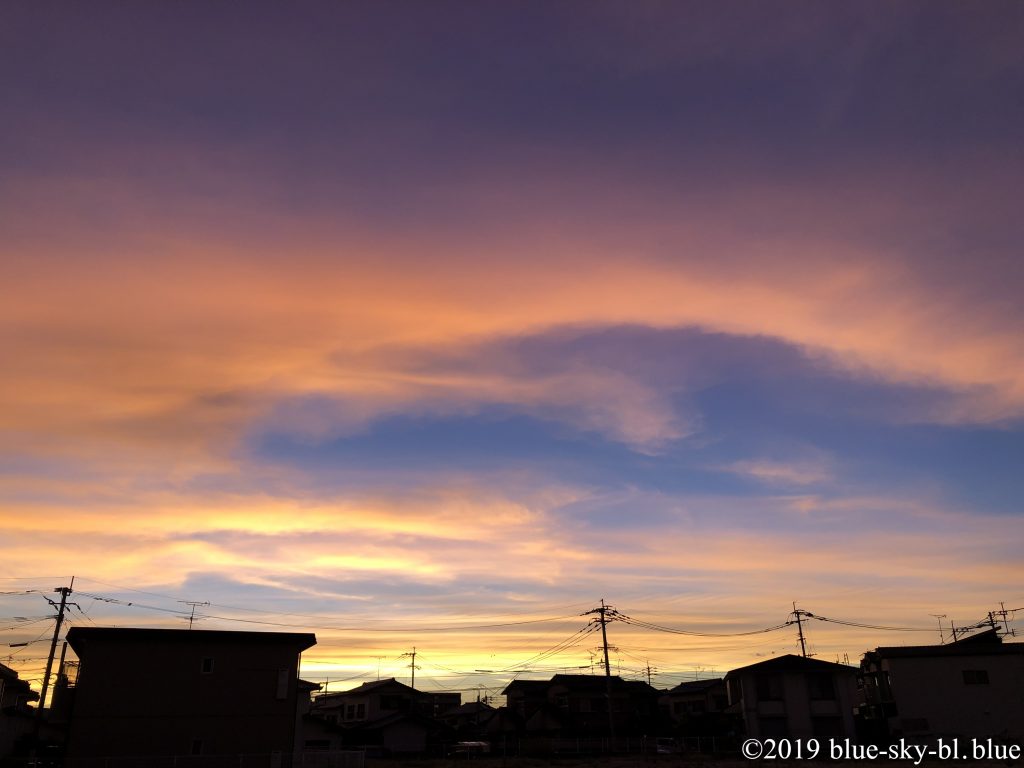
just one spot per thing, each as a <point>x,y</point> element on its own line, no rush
<point>325,759</point>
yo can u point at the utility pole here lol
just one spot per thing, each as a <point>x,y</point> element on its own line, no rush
<point>64,592</point>
<point>602,618</point>
<point>412,663</point>
<point>799,616</point>
<point>603,614</point>
<point>991,621</point>
<point>60,665</point>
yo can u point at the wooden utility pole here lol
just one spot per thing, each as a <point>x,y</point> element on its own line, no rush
<point>64,592</point>
<point>603,614</point>
<point>412,664</point>
<point>798,615</point>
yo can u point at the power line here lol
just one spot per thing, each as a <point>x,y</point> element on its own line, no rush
<point>694,633</point>
<point>298,615</point>
<point>332,627</point>
<point>868,626</point>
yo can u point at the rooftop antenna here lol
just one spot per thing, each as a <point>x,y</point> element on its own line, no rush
<point>192,616</point>
<point>940,617</point>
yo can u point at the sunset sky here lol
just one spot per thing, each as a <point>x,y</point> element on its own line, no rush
<point>387,319</point>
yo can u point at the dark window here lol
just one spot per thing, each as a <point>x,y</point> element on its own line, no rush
<point>197,747</point>
<point>822,686</point>
<point>769,687</point>
<point>206,667</point>
<point>360,711</point>
<point>976,676</point>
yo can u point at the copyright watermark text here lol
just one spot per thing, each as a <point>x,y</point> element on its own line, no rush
<point>845,749</point>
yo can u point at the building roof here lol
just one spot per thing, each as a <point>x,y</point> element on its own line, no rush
<point>80,638</point>
<point>470,708</point>
<point>527,686</point>
<point>15,683</point>
<point>598,683</point>
<point>697,686</point>
<point>987,643</point>
<point>792,663</point>
<point>365,688</point>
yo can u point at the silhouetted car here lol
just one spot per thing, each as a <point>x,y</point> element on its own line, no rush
<point>470,748</point>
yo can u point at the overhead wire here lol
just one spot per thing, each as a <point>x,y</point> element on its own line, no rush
<point>693,633</point>
<point>299,615</point>
<point>334,627</point>
<point>860,625</point>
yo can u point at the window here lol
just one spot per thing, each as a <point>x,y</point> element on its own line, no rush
<point>976,677</point>
<point>822,686</point>
<point>360,711</point>
<point>206,667</point>
<point>350,712</point>
<point>197,747</point>
<point>769,687</point>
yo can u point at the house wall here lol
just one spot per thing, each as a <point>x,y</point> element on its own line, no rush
<point>14,728</point>
<point>16,718</point>
<point>368,706</point>
<point>933,700</point>
<point>689,703</point>
<point>405,737</point>
<point>155,698</point>
<point>795,714</point>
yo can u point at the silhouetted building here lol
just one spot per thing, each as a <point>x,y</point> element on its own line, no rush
<point>698,708</point>
<point>383,697</point>
<point>971,688</point>
<point>577,705</point>
<point>148,693</point>
<point>794,697</point>
<point>386,717</point>
<point>469,721</point>
<point>696,697</point>
<point>16,716</point>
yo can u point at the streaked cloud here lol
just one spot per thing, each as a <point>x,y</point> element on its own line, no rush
<point>496,313</point>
